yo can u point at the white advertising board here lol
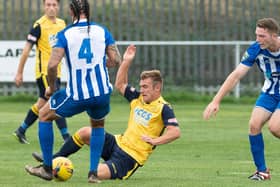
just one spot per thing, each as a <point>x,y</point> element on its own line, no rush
<point>10,52</point>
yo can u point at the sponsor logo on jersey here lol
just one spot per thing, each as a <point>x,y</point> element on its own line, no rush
<point>245,56</point>
<point>142,116</point>
<point>52,40</point>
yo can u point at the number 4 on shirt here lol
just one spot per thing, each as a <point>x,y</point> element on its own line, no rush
<point>85,51</point>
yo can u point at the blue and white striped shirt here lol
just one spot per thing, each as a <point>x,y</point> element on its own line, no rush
<point>86,59</point>
<point>268,63</point>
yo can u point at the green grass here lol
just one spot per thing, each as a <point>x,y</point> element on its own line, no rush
<point>209,153</point>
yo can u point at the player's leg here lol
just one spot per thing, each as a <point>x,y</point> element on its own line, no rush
<point>75,142</point>
<point>71,145</point>
<point>61,122</point>
<point>97,111</point>
<point>32,114</point>
<point>118,164</point>
<point>265,105</point>
<point>97,138</point>
<point>119,168</point>
<point>46,139</point>
<point>47,114</point>
<point>30,118</point>
<point>274,121</point>
<point>62,126</point>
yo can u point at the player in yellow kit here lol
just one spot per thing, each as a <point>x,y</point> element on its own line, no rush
<point>149,116</point>
<point>42,35</point>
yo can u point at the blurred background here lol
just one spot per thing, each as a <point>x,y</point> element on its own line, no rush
<point>195,43</point>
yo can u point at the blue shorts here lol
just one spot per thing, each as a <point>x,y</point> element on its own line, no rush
<point>268,102</point>
<point>119,162</point>
<point>96,107</point>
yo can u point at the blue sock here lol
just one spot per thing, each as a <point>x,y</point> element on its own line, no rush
<point>61,124</point>
<point>96,146</point>
<point>257,149</point>
<point>24,126</point>
<point>46,139</point>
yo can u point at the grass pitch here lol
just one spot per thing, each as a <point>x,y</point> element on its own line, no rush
<point>209,153</point>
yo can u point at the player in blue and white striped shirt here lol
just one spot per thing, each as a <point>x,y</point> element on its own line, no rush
<point>265,53</point>
<point>85,46</point>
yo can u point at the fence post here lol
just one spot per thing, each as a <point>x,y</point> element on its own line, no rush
<point>237,61</point>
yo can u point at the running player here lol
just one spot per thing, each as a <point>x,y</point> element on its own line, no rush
<point>265,53</point>
<point>42,35</point>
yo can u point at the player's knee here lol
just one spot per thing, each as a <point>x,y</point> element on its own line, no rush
<point>254,128</point>
<point>104,171</point>
<point>274,129</point>
<point>45,114</point>
<point>84,134</point>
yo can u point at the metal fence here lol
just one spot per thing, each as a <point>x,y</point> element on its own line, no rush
<point>197,68</point>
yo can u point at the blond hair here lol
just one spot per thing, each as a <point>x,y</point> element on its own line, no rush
<point>155,75</point>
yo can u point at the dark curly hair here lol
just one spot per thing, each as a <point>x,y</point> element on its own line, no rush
<point>78,7</point>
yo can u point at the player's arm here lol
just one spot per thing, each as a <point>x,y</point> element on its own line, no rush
<point>230,82</point>
<point>25,53</point>
<point>32,38</point>
<point>172,130</point>
<point>122,74</point>
<point>113,54</point>
<point>56,57</point>
<point>171,133</point>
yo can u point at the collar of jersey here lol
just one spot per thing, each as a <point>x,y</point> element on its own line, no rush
<point>80,21</point>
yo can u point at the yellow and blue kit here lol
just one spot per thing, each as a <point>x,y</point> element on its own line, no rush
<point>144,119</point>
<point>43,35</point>
<point>126,152</point>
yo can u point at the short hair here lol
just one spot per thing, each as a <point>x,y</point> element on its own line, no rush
<point>270,24</point>
<point>155,75</point>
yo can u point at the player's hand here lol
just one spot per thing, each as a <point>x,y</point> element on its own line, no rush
<point>18,79</point>
<point>129,53</point>
<point>211,110</point>
<point>48,92</point>
<point>148,139</point>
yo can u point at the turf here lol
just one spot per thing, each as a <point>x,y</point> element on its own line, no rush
<point>209,153</point>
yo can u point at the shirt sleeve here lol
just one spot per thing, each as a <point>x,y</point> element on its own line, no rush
<point>60,40</point>
<point>249,57</point>
<point>168,116</point>
<point>131,93</point>
<point>34,34</point>
<point>109,40</point>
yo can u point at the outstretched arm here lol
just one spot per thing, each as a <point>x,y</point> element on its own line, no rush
<point>228,85</point>
<point>122,74</point>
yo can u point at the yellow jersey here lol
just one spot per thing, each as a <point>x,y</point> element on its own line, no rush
<point>43,35</point>
<point>144,119</point>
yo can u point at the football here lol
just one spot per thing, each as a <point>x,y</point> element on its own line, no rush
<point>62,168</point>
